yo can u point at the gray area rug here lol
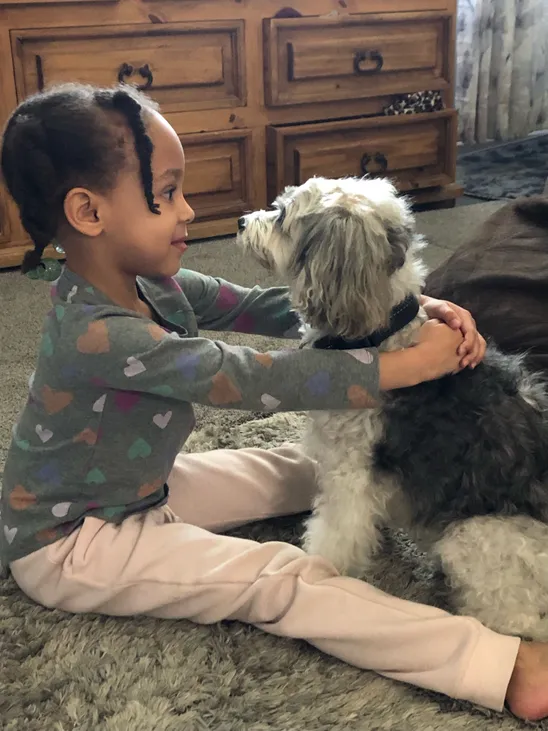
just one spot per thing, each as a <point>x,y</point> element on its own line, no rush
<point>508,170</point>
<point>64,672</point>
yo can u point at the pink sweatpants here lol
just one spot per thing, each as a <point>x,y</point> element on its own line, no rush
<point>171,562</point>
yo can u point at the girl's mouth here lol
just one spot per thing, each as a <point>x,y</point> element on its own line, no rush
<point>180,244</point>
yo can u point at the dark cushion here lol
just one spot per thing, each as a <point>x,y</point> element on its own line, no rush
<point>501,276</point>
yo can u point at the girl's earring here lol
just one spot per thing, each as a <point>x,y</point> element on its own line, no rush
<point>57,246</point>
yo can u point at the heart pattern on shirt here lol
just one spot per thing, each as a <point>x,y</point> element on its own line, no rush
<point>49,472</point>
<point>99,405</point>
<point>150,487</point>
<point>61,509</point>
<point>224,391</point>
<point>139,448</point>
<point>226,298</point>
<point>55,401</point>
<point>295,331</point>
<point>44,434</point>
<point>364,356</point>
<point>162,420</point>
<point>270,402</point>
<point>265,359</point>
<point>47,345</point>
<point>360,398</point>
<point>87,436</point>
<point>10,534</point>
<point>319,383</point>
<point>187,364</point>
<point>95,339</point>
<point>178,318</point>
<point>126,400</point>
<point>95,477</point>
<point>244,323</point>
<point>20,498</point>
<point>156,332</point>
<point>47,536</point>
<point>134,367</point>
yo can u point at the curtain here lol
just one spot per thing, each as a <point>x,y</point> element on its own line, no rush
<point>501,78</point>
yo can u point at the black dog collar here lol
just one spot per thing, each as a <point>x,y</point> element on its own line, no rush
<point>401,315</point>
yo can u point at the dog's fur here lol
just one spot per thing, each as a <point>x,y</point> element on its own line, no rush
<point>462,462</point>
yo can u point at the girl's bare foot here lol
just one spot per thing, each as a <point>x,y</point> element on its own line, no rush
<point>527,694</point>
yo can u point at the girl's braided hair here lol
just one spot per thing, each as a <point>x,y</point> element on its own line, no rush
<point>70,136</point>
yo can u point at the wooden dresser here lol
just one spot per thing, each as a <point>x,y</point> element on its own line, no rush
<point>262,93</point>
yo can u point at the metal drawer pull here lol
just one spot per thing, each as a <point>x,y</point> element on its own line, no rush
<point>126,71</point>
<point>146,73</point>
<point>360,57</point>
<point>379,158</point>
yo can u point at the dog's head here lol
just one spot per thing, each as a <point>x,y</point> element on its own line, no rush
<point>345,247</point>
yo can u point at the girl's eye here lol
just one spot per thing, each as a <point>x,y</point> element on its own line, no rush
<point>169,193</point>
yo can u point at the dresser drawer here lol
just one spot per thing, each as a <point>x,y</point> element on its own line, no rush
<point>322,59</point>
<point>183,66</point>
<point>218,173</point>
<point>416,151</point>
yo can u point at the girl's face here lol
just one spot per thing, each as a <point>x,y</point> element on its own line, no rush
<point>135,240</point>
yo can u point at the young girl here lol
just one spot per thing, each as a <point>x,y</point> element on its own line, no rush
<point>100,510</point>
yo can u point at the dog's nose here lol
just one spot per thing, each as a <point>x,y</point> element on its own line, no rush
<point>241,223</point>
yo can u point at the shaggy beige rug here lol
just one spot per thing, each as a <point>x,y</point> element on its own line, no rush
<point>63,672</point>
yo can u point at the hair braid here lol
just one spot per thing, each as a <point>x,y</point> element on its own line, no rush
<point>31,179</point>
<point>132,111</point>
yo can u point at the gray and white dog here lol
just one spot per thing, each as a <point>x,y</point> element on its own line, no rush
<point>461,463</point>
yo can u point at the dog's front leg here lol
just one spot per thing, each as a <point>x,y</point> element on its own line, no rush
<point>343,529</point>
<point>349,507</point>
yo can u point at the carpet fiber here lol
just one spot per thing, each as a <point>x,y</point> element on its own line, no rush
<point>509,170</point>
<point>64,672</point>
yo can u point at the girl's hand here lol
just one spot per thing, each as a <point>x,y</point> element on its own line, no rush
<point>438,350</point>
<point>435,355</point>
<point>472,349</point>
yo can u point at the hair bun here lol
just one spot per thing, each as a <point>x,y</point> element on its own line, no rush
<point>31,261</point>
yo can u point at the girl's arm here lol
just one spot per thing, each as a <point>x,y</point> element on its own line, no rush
<point>132,354</point>
<point>220,305</point>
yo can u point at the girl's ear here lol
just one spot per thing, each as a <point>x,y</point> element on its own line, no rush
<point>82,210</point>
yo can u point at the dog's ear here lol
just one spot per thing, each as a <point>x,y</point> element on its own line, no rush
<point>399,239</point>
<point>341,269</point>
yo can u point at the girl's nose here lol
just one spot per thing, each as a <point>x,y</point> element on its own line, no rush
<point>186,213</point>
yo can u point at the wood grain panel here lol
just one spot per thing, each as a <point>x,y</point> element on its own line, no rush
<point>183,66</point>
<point>331,59</point>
